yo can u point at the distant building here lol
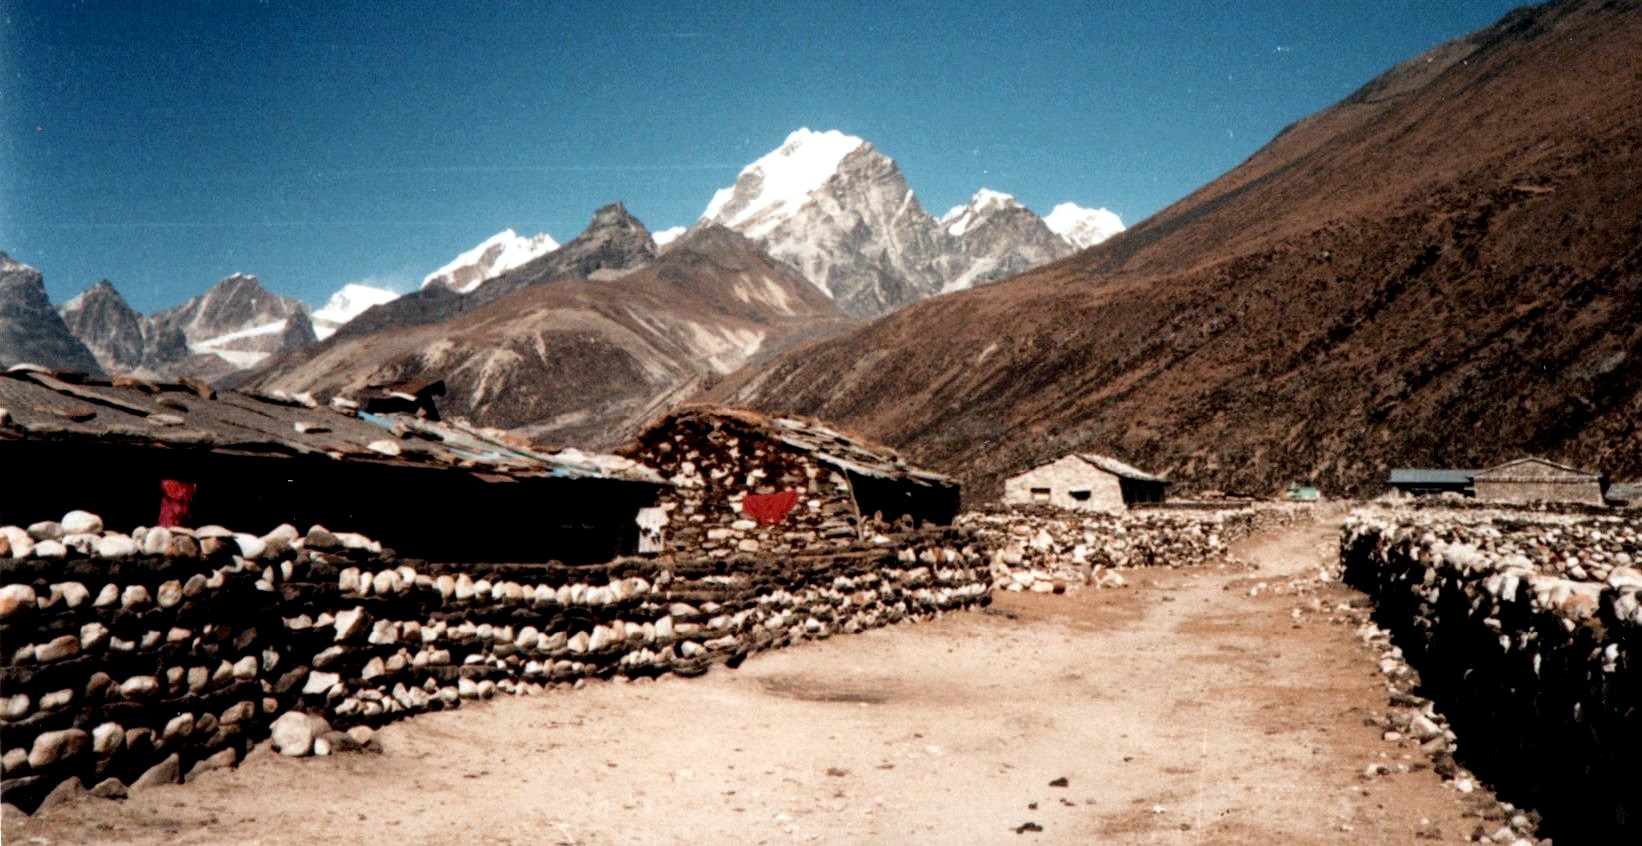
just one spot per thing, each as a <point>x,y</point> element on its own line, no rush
<point>746,483</point>
<point>1537,480</point>
<point>1084,482</point>
<point>1302,493</point>
<point>1427,482</point>
<point>144,454</point>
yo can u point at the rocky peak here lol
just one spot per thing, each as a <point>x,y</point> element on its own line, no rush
<point>613,241</point>
<point>983,205</point>
<point>109,327</point>
<point>998,237</point>
<point>30,329</point>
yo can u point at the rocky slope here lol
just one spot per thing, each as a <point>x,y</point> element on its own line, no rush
<point>108,326</point>
<point>614,242</point>
<point>583,362</point>
<point>838,210</point>
<point>1443,269</point>
<point>31,331</point>
<point>494,256</point>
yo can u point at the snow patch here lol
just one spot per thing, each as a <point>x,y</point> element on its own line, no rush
<point>494,256</point>
<point>780,182</point>
<point>963,218</point>
<point>211,344</point>
<point>346,304</point>
<point>668,235</point>
<point>1083,227</point>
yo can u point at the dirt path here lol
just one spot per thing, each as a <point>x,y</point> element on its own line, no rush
<point>1180,710</point>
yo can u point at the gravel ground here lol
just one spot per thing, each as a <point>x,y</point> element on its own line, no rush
<point>1178,710</point>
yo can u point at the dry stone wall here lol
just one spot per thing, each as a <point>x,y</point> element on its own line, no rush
<point>1051,550</point>
<point>131,660</point>
<point>1524,628</point>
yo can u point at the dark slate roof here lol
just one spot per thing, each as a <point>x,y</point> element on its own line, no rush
<point>39,404</point>
<point>1118,468</point>
<point>1422,476</point>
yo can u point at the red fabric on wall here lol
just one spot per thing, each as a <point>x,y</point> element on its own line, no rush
<point>176,501</point>
<point>769,508</point>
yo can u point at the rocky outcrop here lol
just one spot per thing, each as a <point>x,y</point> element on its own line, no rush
<point>31,331</point>
<point>1522,627</point>
<point>151,657</point>
<point>111,329</point>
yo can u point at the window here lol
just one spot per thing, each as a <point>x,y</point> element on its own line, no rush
<point>1040,494</point>
<point>1080,496</point>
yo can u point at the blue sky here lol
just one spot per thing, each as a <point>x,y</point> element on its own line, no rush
<point>165,145</point>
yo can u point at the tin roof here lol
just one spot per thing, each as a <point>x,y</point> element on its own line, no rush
<point>37,403</point>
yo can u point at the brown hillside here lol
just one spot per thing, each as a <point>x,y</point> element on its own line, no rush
<point>585,362</point>
<point>1443,269</point>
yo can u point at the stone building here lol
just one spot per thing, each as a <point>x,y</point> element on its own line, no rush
<point>1422,481</point>
<point>746,483</point>
<point>1537,480</point>
<point>147,453</point>
<point>1084,482</point>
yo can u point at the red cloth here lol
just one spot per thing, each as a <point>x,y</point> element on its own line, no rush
<point>176,500</point>
<point>769,508</point>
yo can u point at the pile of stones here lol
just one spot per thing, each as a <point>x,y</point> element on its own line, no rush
<point>1050,550</point>
<point>133,660</point>
<point>1522,628</point>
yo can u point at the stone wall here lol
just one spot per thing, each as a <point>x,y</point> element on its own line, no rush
<point>142,659</point>
<point>1048,549</point>
<point>1524,629</point>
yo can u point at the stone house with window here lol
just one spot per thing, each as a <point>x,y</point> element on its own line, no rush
<point>1084,482</point>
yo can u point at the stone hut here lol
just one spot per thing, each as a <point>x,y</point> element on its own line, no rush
<point>746,483</point>
<point>1084,482</point>
<point>143,453</point>
<point>1537,480</point>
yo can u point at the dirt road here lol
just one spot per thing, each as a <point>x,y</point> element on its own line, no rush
<point>1179,710</point>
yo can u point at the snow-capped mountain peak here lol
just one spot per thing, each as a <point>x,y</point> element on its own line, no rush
<point>346,304</point>
<point>770,189</point>
<point>961,218</point>
<point>1081,227</point>
<point>494,256</point>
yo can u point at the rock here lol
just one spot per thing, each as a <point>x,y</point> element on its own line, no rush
<point>45,530</point>
<point>135,596</point>
<point>110,788</point>
<point>15,706</point>
<point>293,734</point>
<point>183,546</point>
<point>319,537</point>
<point>81,522</point>
<point>169,594</point>
<point>109,595</point>
<point>57,649</point>
<point>216,761</point>
<point>237,713</point>
<point>114,546</point>
<point>66,791</point>
<point>245,668</point>
<point>15,598</point>
<point>178,727</point>
<point>373,669</point>
<point>251,547</point>
<point>156,541</point>
<point>14,761</point>
<point>168,771</point>
<point>53,746</point>
<point>56,699</point>
<point>106,739</point>
<point>362,734</point>
<point>139,687</point>
<point>352,624</point>
<point>320,683</point>
<point>74,594</point>
<point>50,549</point>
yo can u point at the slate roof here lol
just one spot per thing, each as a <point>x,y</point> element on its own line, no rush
<point>191,415</point>
<point>1503,471</point>
<point>1119,469</point>
<point>1425,476</point>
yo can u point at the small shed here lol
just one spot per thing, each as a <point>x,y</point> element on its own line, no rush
<point>1084,482</point>
<point>1538,480</point>
<point>131,451</point>
<point>1418,481</point>
<point>746,483</point>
